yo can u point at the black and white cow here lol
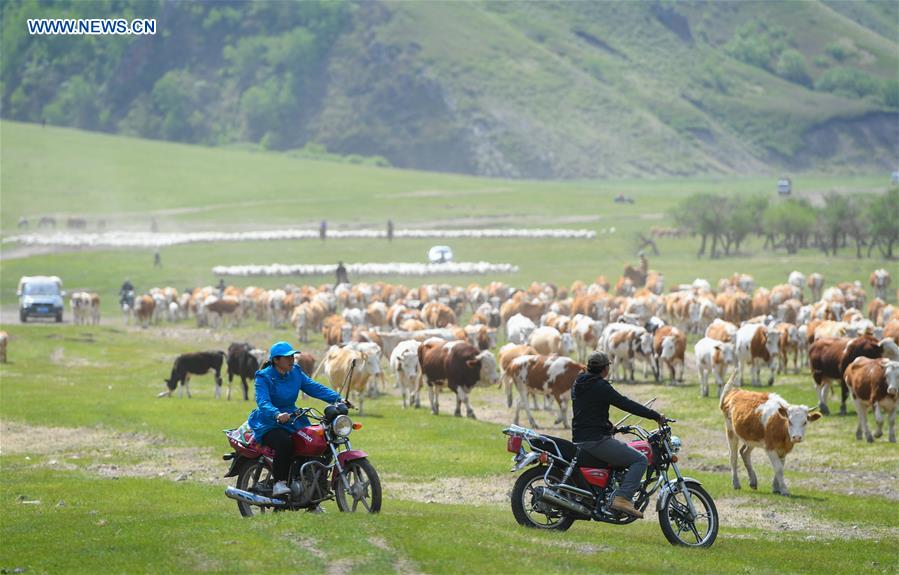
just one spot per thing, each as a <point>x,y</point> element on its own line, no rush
<point>199,363</point>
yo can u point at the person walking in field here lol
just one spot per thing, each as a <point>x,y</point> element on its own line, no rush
<point>389,230</point>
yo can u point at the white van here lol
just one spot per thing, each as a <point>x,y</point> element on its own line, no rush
<point>40,296</point>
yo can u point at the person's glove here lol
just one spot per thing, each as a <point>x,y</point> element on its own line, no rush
<point>349,403</point>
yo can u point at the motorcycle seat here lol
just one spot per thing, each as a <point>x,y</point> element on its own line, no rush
<point>569,450</point>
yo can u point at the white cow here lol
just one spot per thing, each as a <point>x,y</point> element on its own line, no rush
<point>712,356</point>
<point>404,363</point>
<point>519,328</point>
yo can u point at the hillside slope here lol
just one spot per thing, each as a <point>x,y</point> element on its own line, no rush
<point>532,90</point>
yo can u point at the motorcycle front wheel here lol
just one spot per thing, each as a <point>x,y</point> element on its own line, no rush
<point>364,487</point>
<point>679,529</point>
<point>529,510</point>
<point>250,475</point>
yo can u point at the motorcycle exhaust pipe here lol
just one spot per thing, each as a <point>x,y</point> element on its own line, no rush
<point>252,498</point>
<point>557,500</point>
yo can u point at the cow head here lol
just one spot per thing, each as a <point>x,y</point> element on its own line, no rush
<point>890,349</point>
<point>772,343</point>
<point>488,374</point>
<point>797,417</point>
<point>668,347</point>
<point>409,363</point>
<point>728,355</point>
<point>567,344</point>
<point>891,374</point>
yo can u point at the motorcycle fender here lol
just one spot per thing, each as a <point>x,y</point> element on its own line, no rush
<point>528,459</point>
<point>346,456</point>
<point>236,462</point>
<point>665,491</point>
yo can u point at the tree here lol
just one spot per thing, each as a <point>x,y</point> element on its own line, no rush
<point>791,219</point>
<point>883,214</point>
<point>833,219</point>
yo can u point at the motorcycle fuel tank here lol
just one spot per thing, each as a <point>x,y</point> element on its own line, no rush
<point>309,441</point>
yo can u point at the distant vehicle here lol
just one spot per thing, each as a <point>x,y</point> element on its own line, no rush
<point>40,296</point>
<point>440,254</point>
<point>784,186</point>
<point>622,199</point>
<point>894,177</point>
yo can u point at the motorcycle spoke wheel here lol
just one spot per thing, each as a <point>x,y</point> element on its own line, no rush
<point>364,488</point>
<point>251,477</point>
<point>529,510</point>
<point>679,529</point>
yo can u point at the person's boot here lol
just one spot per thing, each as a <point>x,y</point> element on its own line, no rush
<point>625,506</point>
<point>280,488</point>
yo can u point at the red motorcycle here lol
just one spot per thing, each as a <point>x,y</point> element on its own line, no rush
<point>568,485</point>
<point>324,467</point>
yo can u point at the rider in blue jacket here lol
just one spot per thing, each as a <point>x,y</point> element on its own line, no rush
<point>277,389</point>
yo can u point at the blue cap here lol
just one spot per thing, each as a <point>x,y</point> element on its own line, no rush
<point>280,349</point>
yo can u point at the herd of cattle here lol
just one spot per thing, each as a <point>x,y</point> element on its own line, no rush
<point>417,332</point>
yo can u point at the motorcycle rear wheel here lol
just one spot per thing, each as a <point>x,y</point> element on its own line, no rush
<point>365,488</point>
<point>531,512</point>
<point>676,525</point>
<point>250,475</point>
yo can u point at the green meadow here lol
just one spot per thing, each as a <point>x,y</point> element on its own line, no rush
<point>99,474</point>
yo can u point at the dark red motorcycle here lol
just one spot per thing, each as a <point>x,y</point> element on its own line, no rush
<point>324,467</point>
<point>568,484</point>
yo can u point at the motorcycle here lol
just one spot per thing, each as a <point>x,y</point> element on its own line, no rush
<point>324,467</point>
<point>568,485</point>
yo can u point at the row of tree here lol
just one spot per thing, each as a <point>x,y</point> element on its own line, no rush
<point>723,223</point>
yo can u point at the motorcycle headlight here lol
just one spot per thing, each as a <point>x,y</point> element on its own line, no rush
<point>342,425</point>
<point>675,443</point>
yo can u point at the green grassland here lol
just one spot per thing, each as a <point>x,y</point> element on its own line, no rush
<point>103,380</point>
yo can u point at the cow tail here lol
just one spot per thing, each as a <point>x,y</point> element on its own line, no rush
<point>727,389</point>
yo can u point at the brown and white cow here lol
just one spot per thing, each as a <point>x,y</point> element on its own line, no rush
<point>829,358</point>
<point>143,309</point>
<point>762,420</point>
<point>815,282</point>
<point>757,345</point>
<point>668,347</point>
<point>548,341</point>
<point>481,336</point>
<point>875,385</point>
<point>721,330</point>
<point>458,365</point>
<point>880,280</point>
<point>547,375</point>
<point>507,355</point>
<point>789,342</point>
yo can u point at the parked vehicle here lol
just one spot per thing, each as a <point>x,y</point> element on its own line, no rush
<point>40,296</point>
<point>566,485</point>
<point>325,467</point>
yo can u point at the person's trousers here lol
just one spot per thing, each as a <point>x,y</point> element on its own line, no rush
<point>619,454</point>
<point>281,441</point>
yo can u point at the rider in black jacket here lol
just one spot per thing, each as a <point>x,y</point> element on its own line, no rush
<point>591,397</point>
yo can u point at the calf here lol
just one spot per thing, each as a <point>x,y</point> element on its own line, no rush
<point>875,385</point>
<point>762,420</point>
<point>404,363</point>
<point>243,363</point>
<point>757,345</point>
<point>712,356</point>
<point>199,363</point>
<point>829,358</point>
<point>544,375</point>
<point>143,308</point>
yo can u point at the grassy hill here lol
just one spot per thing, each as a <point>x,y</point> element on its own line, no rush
<point>522,90</point>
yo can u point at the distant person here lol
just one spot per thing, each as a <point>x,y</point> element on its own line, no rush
<point>323,230</point>
<point>126,293</point>
<point>157,260</point>
<point>154,227</point>
<point>389,230</point>
<point>342,277</point>
<point>221,287</point>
